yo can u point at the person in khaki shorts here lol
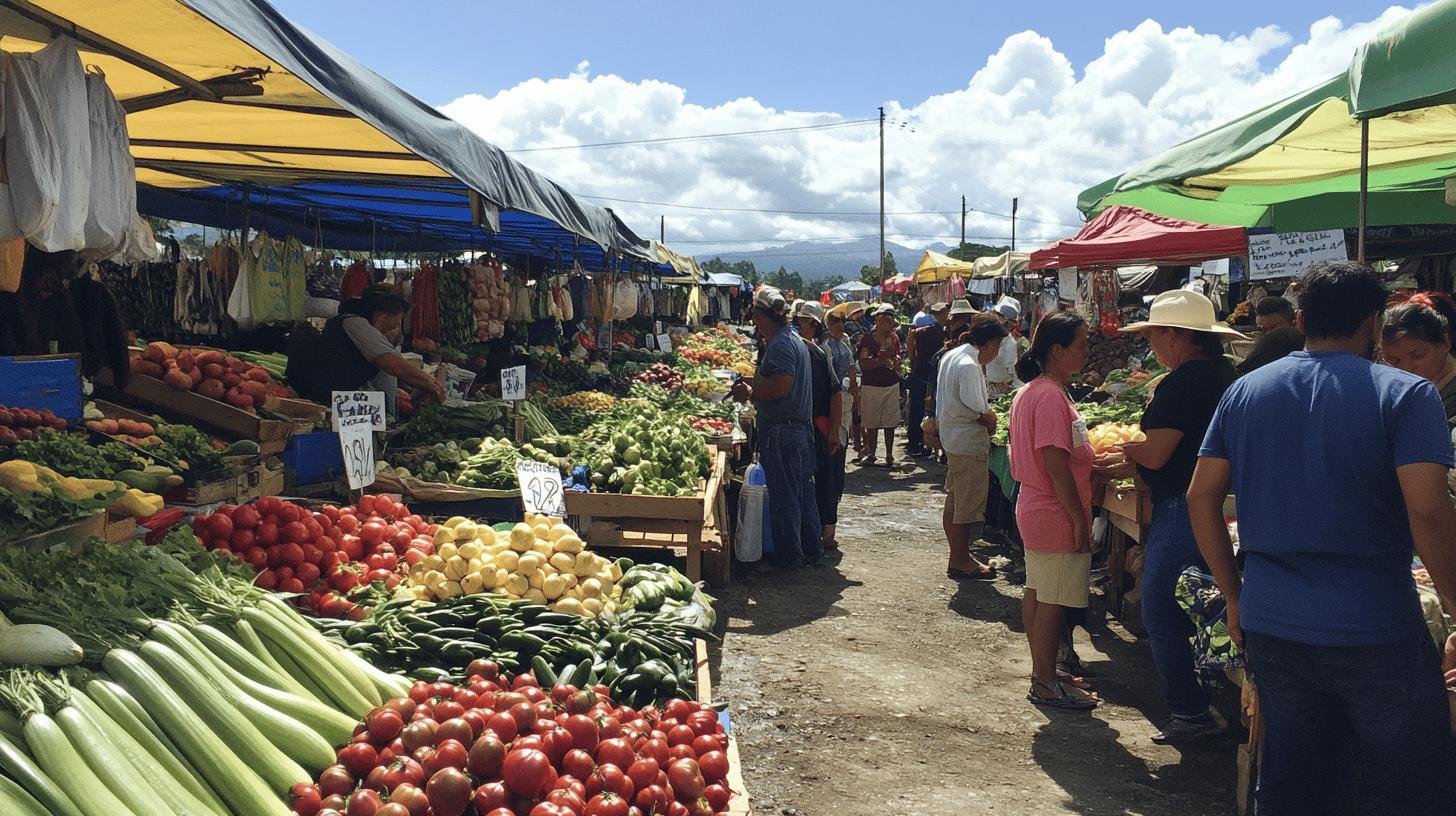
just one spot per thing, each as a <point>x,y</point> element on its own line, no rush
<point>964,422</point>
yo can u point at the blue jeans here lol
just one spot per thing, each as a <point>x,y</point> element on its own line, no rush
<point>1169,550</point>
<point>1352,729</point>
<point>915,414</point>
<point>787,455</point>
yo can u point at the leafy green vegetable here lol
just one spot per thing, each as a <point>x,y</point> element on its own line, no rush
<point>70,454</point>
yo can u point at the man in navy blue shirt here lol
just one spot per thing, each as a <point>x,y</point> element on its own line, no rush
<point>1339,467</point>
<point>782,394</point>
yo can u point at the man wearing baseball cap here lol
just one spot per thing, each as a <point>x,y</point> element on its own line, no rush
<point>1001,373</point>
<point>781,394</point>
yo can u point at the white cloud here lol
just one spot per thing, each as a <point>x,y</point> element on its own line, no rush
<point>1027,123</point>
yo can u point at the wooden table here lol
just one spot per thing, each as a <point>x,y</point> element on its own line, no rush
<point>696,525</point>
<point>740,804</point>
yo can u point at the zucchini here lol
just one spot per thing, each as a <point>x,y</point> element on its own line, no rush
<point>317,668</point>
<point>298,740</point>
<point>157,776</point>
<point>228,774</point>
<point>114,770</point>
<point>126,712</point>
<point>16,802</point>
<point>246,740</point>
<point>280,656</point>
<point>18,765</point>
<point>327,651</point>
<point>35,644</point>
<point>10,725</point>
<point>231,651</point>
<point>59,759</point>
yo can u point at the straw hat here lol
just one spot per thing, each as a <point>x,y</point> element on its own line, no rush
<point>770,300</point>
<point>810,309</point>
<point>1182,309</point>
<point>849,309</point>
<point>962,307</point>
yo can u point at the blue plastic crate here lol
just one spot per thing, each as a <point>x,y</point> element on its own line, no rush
<point>313,457</point>
<point>52,381</point>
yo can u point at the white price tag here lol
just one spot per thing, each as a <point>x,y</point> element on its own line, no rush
<point>513,383</point>
<point>657,327</point>
<point>664,343</point>
<point>457,384</point>
<point>649,342</point>
<point>359,405</point>
<point>541,490</point>
<point>356,441</point>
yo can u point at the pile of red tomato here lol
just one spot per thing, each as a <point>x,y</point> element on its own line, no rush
<point>328,556</point>
<point>506,747</point>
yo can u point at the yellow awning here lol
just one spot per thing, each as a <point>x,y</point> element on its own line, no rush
<point>935,267</point>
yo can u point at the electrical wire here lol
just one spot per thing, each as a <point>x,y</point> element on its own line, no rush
<point>855,213</point>
<point>670,139</point>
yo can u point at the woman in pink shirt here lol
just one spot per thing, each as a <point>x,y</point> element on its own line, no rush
<point>1051,458</point>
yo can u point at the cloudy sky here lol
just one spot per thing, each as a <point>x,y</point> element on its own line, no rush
<point>1034,100</point>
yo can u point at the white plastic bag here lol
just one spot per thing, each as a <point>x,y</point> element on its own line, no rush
<point>138,245</point>
<point>63,82</point>
<point>240,300</point>
<point>113,173</point>
<point>29,187</point>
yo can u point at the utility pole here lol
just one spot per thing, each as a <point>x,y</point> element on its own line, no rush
<point>881,263</point>
<point>963,221</point>
<point>662,229</point>
<point>1013,224</point>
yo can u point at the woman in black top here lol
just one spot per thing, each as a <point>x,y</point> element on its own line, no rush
<point>1185,337</point>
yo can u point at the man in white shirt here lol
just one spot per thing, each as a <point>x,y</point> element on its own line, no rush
<point>963,414</point>
<point>1001,372</point>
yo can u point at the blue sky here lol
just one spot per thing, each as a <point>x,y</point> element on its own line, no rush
<point>846,56</point>
<point>1025,99</point>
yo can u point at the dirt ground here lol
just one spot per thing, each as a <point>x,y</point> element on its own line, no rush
<point>873,685</point>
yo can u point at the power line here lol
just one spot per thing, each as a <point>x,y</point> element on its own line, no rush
<point>780,240</point>
<point>762,210</point>
<point>668,139</point>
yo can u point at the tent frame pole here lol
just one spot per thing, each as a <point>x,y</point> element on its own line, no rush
<point>1364,216</point>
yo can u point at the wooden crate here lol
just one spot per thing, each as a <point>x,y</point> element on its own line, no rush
<point>211,491</point>
<point>270,434</point>
<point>1135,503</point>
<point>655,522</point>
<point>70,536</point>
<point>740,804</point>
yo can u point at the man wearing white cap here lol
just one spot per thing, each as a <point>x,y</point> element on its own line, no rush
<point>1001,372</point>
<point>781,394</point>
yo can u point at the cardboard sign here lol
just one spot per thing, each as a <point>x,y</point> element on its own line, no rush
<point>513,383</point>
<point>356,441</point>
<point>664,343</point>
<point>352,405</point>
<point>541,490</point>
<point>1287,255</point>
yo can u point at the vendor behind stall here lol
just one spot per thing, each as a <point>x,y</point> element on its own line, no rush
<point>358,351</point>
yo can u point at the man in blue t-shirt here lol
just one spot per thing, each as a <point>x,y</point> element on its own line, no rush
<point>782,394</point>
<point>1339,466</point>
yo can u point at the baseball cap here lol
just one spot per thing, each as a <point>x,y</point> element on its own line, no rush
<point>770,300</point>
<point>1008,308</point>
<point>883,309</point>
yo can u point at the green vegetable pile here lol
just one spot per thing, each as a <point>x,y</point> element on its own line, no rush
<point>72,455</point>
<point>437,423</point>
<point>184,443</point>
<point>643,655</point>
<point>641,456</point>
<point>39,512</point>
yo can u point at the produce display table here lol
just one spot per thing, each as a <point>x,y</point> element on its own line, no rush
<point>740,804</point>
<point>1128,511</point>
<point>694,524</point>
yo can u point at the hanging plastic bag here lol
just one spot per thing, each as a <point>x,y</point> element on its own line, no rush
<point>113,173</point>
<point>64,83</point>
<point>752,506</point>
<point>240,301</point>
<point>30,190</point>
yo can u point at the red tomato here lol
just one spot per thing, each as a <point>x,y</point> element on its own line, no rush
<point>714,766</point>
<point>504,726</point>
<point>304,799</point>
<point>490,796</point>
<point>643,772</point>
<point>578,763</point>
<point>527,772</point>
<point>609,726</point>
<point>335,779</point>
<point>558,742</point>
<point>708,742</point>
<point>686,778</point>
<point>384,725</point>
<point>551,809</point>
<point>616,752</point>
<point>606,804</point>
<point>392,809</point>
<point>292,585</point>
<point>567,798</point>
<point>246,517</point>
<point>486,755</point>
<point>450,753</point>
<point>584,732</point>
<point>418,734</point>
<point>412,797</point>
<point>364,802</point>
<point>449,792</point>
<point>455,728</point>
<point>359,758</point>
<point>704,722</point>
<point>680,735</point>
<point>717,796</point>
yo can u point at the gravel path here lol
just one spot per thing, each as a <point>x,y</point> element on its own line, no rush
<point>873,685</point>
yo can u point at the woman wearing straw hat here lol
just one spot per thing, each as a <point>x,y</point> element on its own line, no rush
<point>1186,338</point>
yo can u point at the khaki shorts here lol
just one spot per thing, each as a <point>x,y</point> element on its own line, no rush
<point>1059,578</point>
<point>967,481</point>
<point>879,406</point>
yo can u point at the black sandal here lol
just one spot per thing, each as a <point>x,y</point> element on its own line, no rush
<point>1064,700</point>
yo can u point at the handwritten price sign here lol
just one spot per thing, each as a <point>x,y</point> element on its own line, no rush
<point>513,383</point>
<point>356,442</point>
<point>664,343</point>
<point>350,405</point>
<point>541,490</point>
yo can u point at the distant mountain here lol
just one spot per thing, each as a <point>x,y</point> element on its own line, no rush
<point>820,261</point>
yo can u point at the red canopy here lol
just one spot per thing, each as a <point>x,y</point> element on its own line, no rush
<point>898,285</point>
<point>1127,236</point>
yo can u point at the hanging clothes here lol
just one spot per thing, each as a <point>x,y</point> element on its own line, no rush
<point>425,303</point>
<point>295,275</point>
<point>64,83</point>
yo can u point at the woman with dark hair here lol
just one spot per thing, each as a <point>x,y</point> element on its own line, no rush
<point>1051,458</point>
<point>358,351</point>
<point>1416,337</point>
<point>1186,338</point>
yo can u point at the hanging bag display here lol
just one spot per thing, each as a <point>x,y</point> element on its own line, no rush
<point>63,81</point>
<point>113,173</point>
<point>30,188</point>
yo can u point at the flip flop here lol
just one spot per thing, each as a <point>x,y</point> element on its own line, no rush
<point>987,574</point>
<point>1065,700</point>
<point>1075,682</point>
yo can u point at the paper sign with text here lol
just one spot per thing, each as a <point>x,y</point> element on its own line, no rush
<point>356,442</point>
<point>513,383</point>
<point>356,404</point>
<point>457,384</point>
<point>1287,255</point>
<point>664,343</point>
<point>541,490</point>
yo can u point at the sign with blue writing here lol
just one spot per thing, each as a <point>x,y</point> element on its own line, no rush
<point>355,404</point>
